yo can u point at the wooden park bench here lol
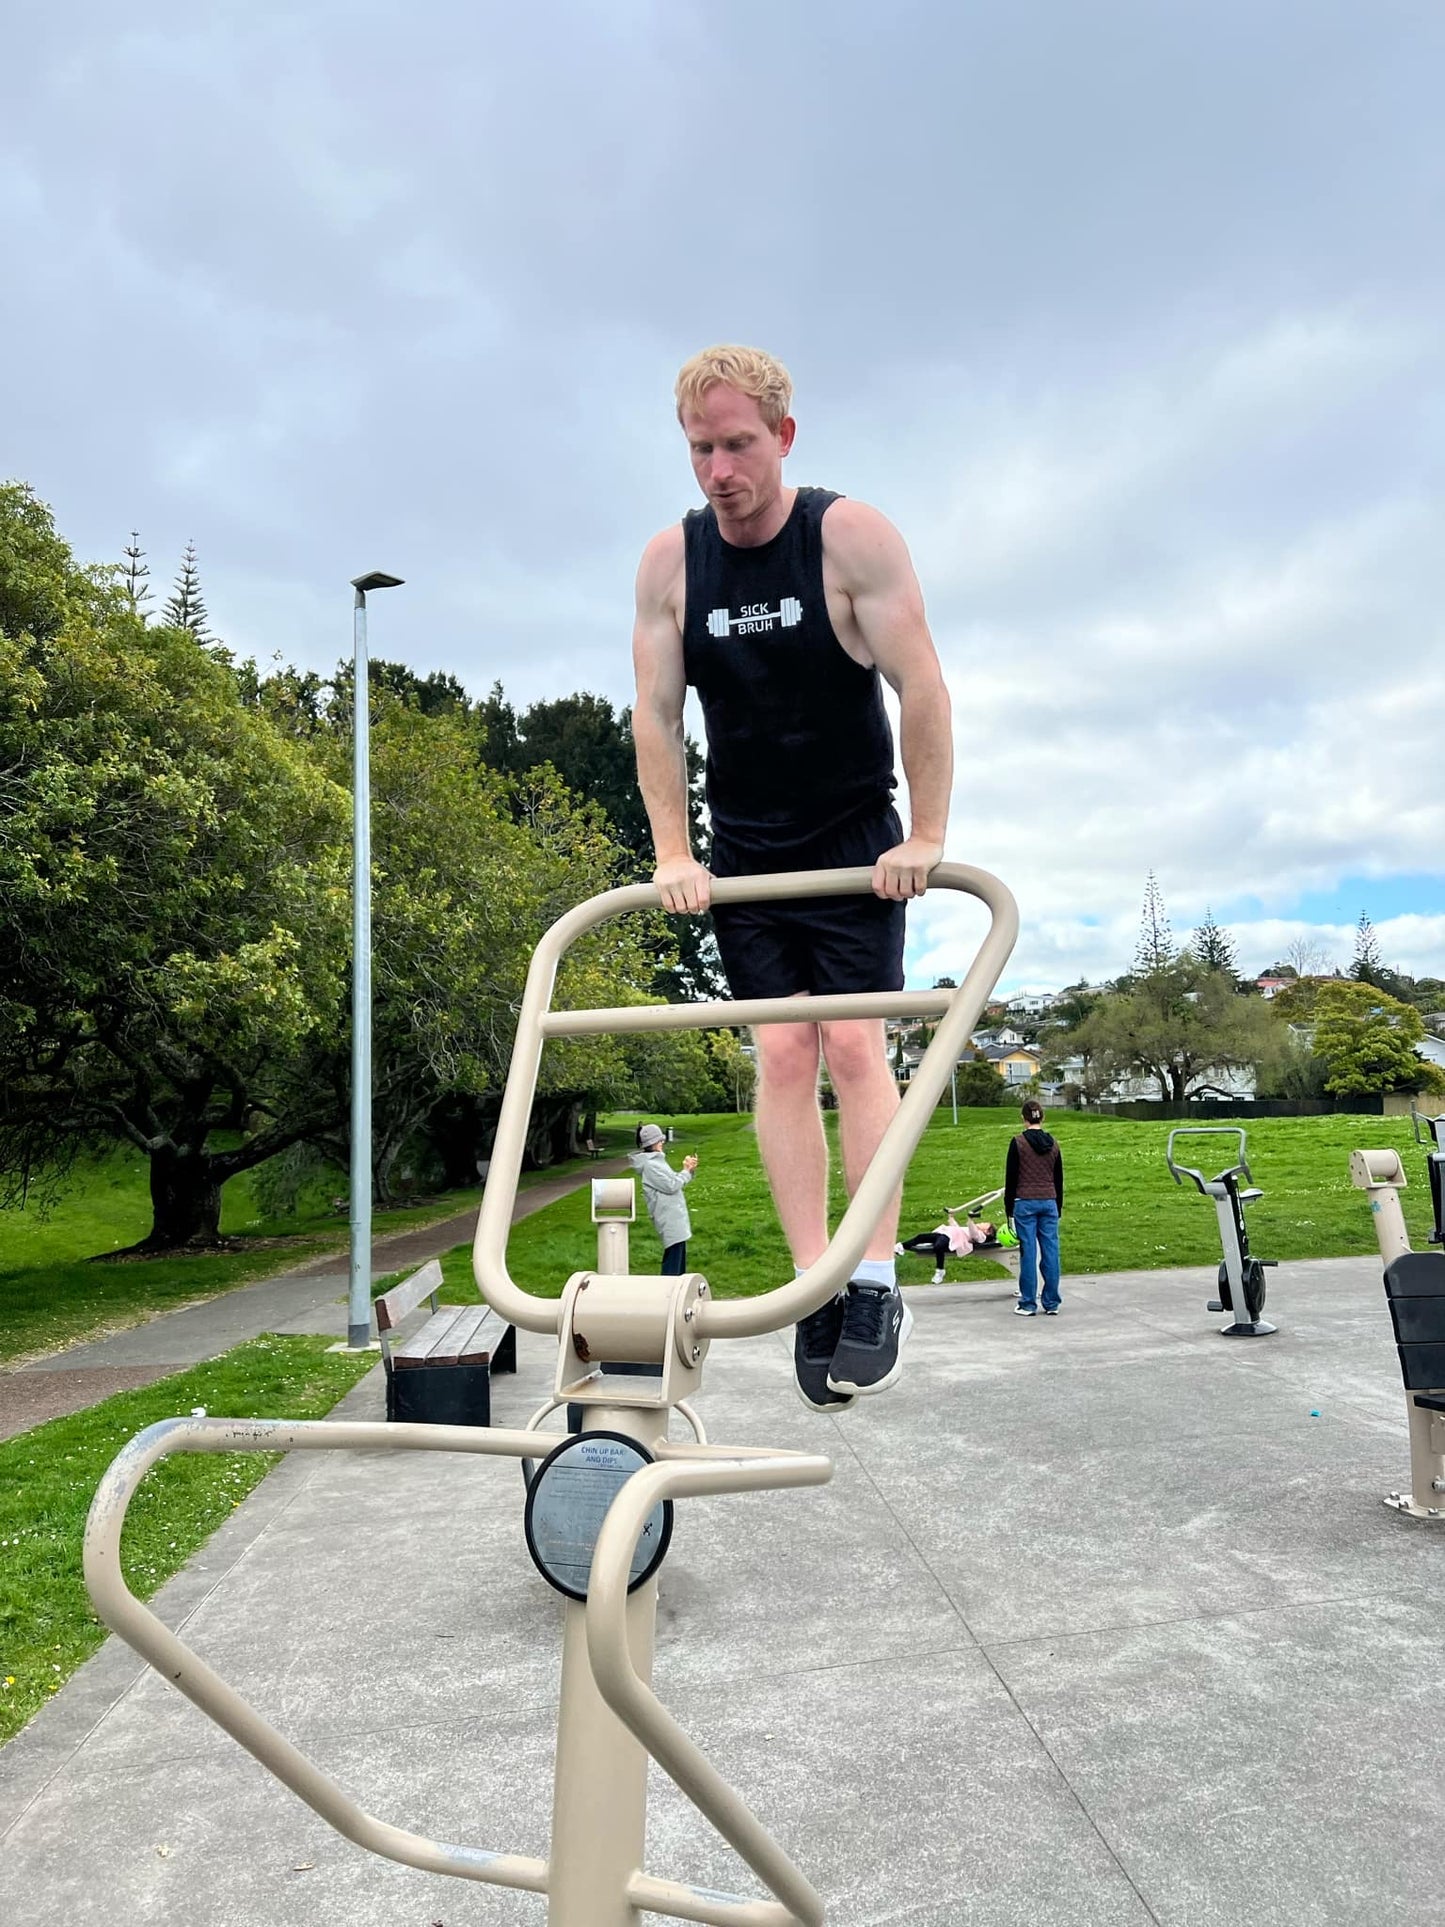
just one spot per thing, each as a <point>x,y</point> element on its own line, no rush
<point>442,1373</point>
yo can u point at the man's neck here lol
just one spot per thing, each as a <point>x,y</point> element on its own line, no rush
<point>762,527</point>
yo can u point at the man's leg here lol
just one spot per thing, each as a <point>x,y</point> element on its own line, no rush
<point>790,1136</point>
<point>795,1156</point>
<point>857,1061</point>
<point>875,1319</point>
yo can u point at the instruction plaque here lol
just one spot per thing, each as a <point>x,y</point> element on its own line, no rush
<point>568,1500</point>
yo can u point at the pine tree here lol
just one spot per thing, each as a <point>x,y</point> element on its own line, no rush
<point>1155,948</point>
<point>185,610</point>
<point>134,571</point>
<point>1368,966</point>
<point>1214,947</point>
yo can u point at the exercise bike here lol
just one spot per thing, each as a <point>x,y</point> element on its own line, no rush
<point>1241,1274</point>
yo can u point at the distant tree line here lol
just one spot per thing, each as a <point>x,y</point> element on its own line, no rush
<point>1183,1015</point>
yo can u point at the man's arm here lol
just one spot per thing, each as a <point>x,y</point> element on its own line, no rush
<point>873,566</point>
<point>657,724</point>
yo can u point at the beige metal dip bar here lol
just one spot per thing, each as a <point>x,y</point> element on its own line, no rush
<point>597,1506</point>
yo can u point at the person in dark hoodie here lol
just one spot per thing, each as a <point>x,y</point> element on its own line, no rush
<point>1033,1201</point>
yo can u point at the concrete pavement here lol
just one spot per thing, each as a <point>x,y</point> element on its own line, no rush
<point>1097,1625</point>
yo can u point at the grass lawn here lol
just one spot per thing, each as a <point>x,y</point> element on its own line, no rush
<point>51,1296</point>
<point>1122,1210</point>
<point>48,1477</point>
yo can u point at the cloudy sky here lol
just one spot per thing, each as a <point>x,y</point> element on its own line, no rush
<point>1128,314</point>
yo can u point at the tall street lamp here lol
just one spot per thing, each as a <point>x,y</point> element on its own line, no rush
<point>358,1318</point>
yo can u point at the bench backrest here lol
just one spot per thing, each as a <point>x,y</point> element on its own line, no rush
<point>1415,1287</point>
<point>394,1305</point>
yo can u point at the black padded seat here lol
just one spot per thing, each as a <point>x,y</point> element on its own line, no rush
<point>1415,1287</point>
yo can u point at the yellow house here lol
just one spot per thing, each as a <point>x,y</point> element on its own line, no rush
<point>1015,1063</point>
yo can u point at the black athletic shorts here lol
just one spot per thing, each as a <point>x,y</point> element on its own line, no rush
<point>818,944</point>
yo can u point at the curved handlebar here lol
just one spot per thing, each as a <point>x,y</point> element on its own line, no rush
<point>1181,1171</point>
<point>1431,1134</point>
<point>959,1011</point>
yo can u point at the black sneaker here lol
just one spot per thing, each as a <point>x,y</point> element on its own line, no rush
<point>815,1339</point>
<point>875,1324</point>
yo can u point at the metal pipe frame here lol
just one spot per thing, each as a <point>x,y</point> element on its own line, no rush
<point>609,1720</point>
<point>1381,1176</point>
<point>139,1627</point>
<point>685,1471</point>
<point>682,1470</point>
<point>958,1010</point>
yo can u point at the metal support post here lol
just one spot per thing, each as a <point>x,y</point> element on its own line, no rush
<point>358,1300</point>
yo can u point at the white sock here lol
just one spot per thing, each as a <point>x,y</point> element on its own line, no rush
<point>876,1271</point>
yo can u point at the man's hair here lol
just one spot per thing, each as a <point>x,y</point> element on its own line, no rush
<point>748,370</point>
<point>1033,1111</point>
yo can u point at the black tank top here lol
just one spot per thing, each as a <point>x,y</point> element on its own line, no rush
<point>797,738</point>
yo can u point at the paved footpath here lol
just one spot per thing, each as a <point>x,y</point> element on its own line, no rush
<point>309,1298</point>
<point>1100,1623</point>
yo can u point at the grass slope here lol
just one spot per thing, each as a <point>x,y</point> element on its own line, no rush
<point>1122,1212</point>
<point>51,1295</point>
<point>48,1477</point>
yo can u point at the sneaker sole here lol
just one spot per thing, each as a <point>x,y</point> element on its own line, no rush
<point>823,1411</point>
<point>867,1391</point>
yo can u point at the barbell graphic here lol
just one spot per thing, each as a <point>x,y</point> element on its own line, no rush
<point>789,613</point>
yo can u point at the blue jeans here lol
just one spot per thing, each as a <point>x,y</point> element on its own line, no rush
<point>1036,1220</point>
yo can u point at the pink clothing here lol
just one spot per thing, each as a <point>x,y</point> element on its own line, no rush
<point>961,1237</point>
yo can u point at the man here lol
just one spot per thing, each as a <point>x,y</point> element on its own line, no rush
<point>783,607</point>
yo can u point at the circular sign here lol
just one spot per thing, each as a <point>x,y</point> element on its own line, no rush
<point>568,1500</point>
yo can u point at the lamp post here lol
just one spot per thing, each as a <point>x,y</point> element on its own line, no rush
<point>358,1317</point>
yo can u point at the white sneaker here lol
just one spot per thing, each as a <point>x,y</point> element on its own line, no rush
<point>938,1277</point>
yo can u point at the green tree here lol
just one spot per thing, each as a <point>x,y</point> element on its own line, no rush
<point>1155,948</point>
<point>134,573</point>
<point>977,1082</point>
<point>590,746</point>
<point>184,608</point>
<point>1368,1040</point>
<point>174,889</point>
<point>1177,1024</point>
<point>1214,947</point>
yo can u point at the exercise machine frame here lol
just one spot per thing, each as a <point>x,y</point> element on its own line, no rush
<point>609,1720</point>
<point>1241,1274</point>
<point>1381,1176</point>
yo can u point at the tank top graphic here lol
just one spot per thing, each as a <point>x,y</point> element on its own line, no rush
<point>797,737</point>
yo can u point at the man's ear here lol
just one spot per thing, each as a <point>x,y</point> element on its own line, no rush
<point>787,429</point>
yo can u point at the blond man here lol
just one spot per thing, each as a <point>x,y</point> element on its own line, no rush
<point>786,609</point>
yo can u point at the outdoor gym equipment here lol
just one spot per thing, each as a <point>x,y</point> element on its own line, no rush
<point>600,1496</point>
<point>1428,1131</point>
<point>1241,1275</point>
<point>1415,1290</point>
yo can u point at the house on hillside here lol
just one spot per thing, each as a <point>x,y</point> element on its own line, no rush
<point>1015,1063</point>
<point>985,1039</point>
<point>1033,1003</point>
<point>1272,986</point>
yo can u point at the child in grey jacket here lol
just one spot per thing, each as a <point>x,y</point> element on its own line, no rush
<point>662,1190</point>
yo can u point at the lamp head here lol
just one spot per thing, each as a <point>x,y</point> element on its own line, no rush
<point>376,580</point>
